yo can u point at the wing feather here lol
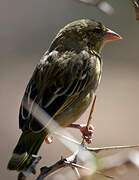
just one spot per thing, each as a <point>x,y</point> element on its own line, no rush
<point>55,85</point>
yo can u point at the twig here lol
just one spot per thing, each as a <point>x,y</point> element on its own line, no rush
<point>90,117</point>
<point>119,159</point>
<point>76,171</point>
<point>46,171</point>
<point>66,162</point>
<point>96,150</point>
<point>106,8</point>
<point>71,164</point>
<point>135,4</point>
<point>102,5</point>
<point>70,161</point>
<point>102,174</point>
<point>67,138</point>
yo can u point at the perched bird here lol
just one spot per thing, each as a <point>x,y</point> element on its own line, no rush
<point>62,84</point>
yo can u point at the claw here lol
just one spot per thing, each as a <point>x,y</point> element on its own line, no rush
<point>87,132</point>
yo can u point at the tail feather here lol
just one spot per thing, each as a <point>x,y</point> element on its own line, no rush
<point>28,144</point>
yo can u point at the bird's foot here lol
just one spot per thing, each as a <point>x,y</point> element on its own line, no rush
<point>49,139</point>
<point>87,132</point>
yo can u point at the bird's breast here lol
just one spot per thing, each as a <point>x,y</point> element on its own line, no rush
<point>74,112</point>
<point>95,72</point>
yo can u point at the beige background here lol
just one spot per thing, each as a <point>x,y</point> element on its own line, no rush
<point>26,30</point>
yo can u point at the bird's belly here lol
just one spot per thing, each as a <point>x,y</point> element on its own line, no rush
<point>73,113</point>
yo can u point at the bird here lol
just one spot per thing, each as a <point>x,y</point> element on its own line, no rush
<point>62,85</point>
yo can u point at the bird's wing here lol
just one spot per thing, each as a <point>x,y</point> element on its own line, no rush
<point>56,83</point>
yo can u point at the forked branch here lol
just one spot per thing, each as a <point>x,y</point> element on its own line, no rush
<point>80,150</point>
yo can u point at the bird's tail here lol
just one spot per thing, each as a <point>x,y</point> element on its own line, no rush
<point>28,145</point>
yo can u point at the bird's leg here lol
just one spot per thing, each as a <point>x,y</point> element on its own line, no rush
<point>87,131</point>
<point>89,140</point>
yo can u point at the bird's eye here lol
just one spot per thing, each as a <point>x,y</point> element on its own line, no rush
<point>97,30</point>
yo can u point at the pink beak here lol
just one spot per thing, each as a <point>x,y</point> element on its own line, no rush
<point>111,36</point>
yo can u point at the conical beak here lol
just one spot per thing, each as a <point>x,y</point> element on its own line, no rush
<point>111,36</point>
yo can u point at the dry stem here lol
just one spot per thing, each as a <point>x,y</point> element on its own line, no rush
<point>71,160</point>
<point>102,5</point>
<point>135,4</point>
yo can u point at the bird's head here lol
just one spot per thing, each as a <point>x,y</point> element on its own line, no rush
<point>83,34</point>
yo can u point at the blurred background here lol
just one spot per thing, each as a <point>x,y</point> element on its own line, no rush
<point>26,31</point>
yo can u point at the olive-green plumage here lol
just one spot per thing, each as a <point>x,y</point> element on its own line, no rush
<point>62,84</point>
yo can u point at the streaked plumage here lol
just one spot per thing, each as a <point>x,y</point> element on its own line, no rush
<point>62,84</point>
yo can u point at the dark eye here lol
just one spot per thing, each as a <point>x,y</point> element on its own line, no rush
<point>97,30</point>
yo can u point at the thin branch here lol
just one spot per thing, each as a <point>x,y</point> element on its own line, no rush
<point>135,4</point>
<point>119,159</point>
<point>67,138</point>
<point>102,5</point>
<point>66,162</point>
<point>71,164</point>
<point>96,150</point>
<point>71,160</point>
<point>47,171</point>
<point>102,174</point>
<point>76,171</point>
